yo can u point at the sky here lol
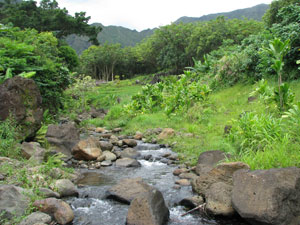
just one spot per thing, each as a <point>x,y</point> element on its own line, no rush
<point>144,14</point>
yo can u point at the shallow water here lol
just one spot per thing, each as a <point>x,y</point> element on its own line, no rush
<point>92,207</point>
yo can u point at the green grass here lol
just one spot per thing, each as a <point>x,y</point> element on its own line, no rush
<point>205,122</point>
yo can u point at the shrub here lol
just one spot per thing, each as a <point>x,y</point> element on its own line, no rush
<point>252,132</point>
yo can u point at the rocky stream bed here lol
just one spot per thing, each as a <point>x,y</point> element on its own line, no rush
<point>94,207</point>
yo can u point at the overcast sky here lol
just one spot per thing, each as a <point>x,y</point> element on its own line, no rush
<point>143,14</point>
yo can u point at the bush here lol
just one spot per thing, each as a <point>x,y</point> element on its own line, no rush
<point>30,51</point>
<point>252,133</point>
<point>170,96</point>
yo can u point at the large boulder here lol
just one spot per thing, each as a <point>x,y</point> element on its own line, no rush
<point>221,173</point>
<point>208,160</point>
<point>60,210</point>
<point>21,98</point>
<point>218,199</point>
<point>148,209</point>
<point>62,137</point>
<point>88,149</point>
<point>127,189</point>
<point>13,201</point>
<point>33,151</point>
<point>268,197</point>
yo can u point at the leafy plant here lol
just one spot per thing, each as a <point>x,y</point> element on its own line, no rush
<point>252,132</point>
<point>277,50</point>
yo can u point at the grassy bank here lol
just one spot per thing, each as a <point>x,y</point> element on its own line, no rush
<point>201,127</point>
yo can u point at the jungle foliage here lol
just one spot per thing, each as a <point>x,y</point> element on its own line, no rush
<point>39,56</point>
<point>47,17</point>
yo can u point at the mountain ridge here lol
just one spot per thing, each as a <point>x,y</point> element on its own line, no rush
<point>127,37</point>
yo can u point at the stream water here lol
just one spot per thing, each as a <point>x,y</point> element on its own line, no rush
<point>92,207</point>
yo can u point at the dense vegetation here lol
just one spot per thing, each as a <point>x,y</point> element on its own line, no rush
<point>264,133</point>
<point>242,74</point>
<point>255,12</point>
<point>127,37</point>
<point>47,17</point>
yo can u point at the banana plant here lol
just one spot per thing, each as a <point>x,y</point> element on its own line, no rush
<point>277,50</point>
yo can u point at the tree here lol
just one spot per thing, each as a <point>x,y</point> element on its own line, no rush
<point>47,17</point>
<point>271,16</point>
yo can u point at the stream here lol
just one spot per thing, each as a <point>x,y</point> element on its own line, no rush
<point>92,207</point>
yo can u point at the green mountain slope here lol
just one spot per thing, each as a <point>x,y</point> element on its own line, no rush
<point>255,13</point>
<point>112,35</point>
<point>127,37</point>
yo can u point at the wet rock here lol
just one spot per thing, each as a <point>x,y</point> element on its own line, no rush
<point>127,162</point>
<point>166,155</point>
<point>166,133</point>
<point>138,136</point>
<point>189,176</point>
<point>62,137</point>
<point>127,189</point>
<point>21,97</point>
<point>47,193</point>
<point>117,130</point>
<point>2,177</point>
<point>106,163</point>
<point>148,208</point>
<point>100,130</point>
<point>268,196</point>
<point>183,182</point>
<point>66,188</point>
<point>130,153</point>
<point>101,158</point>
<point>106,146</point>
<point>221,173</point>
<point>98,165</point>
<point>60,210</point>
<point>36,217</point>
<point>88,149</point>
<point>207,160</point>
<point>173,157</point>
<point>164,161</point>
<point>109,156</point>
<point>192,202</point>
<point>130,142</point>
<point>33,151</point>
<point>106,136</point>
<point>148,157</point>
<point>177,172</point>
<point>218,199</point>
<point>13,201</point>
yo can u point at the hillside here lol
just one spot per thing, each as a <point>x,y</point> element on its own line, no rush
<point>110,34</point>
<point>255,13</point>
<point>128,37</point>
